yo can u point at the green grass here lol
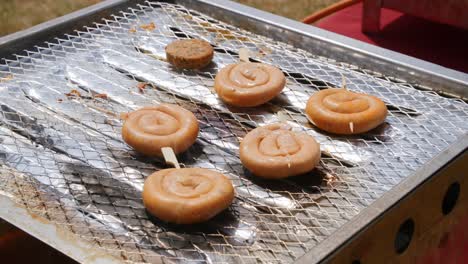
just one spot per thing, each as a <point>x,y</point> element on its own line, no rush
<point>20,14</point>
<point>295,9</point>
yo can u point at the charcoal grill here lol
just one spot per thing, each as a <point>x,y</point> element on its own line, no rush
<point>68,179</point>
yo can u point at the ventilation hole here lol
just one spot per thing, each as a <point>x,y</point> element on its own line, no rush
<point>404,235</point>
<point>450,198</point>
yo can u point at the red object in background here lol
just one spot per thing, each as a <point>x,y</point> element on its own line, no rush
<point>452,249</point>
<point>427,40</point>
<point>18,247</point>
<point>438,43</point>
<point>451,12</point>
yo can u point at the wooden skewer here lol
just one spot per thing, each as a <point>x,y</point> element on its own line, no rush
<point>170,157</point>
<point>343,82</point>
<point>244,55</point>
<point>343,85</point>
<point>124,116</point>
<point>282,116</point>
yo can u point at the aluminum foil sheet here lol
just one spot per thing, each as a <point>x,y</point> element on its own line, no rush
<point>63,157</point>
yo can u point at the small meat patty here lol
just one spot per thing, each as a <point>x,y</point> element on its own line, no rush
<point>189,53</point>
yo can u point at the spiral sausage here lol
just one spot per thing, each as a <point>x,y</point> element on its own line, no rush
<point>274,151</point>
<point>187,196</point>
<point>149,129</point>
<point>249,84</point>
<point>341,111</point>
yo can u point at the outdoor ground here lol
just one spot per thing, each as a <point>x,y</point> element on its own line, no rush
<point>19,14</point>
<point>295,9</point>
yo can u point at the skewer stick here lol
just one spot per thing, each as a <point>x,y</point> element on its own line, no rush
<point>343,82</point>
<point>282,116</point>
<point>351,127</point>
<point>124,116</point>
<point>170,157</point>
<point>244,55</point>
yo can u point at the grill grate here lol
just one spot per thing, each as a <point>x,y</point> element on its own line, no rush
<point>63,157</point>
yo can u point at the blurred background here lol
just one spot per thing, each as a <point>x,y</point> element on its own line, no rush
<point>20,14</point>
<point>439,38</point>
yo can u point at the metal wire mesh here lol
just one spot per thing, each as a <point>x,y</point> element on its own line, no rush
<point>62,155</point>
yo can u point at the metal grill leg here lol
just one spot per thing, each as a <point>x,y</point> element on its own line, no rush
<point>371,16</point>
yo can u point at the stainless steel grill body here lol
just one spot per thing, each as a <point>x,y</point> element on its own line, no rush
<point>63,157</point>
